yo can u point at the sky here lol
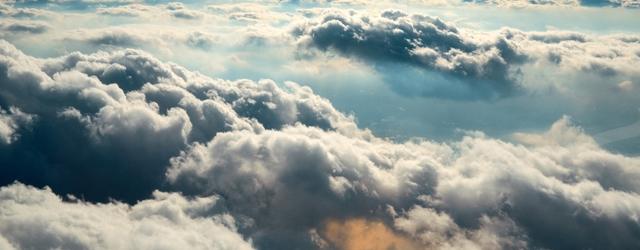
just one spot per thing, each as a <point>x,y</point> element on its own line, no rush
<point>320,124</point>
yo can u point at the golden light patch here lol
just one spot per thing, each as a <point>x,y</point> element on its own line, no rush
<point>361,234</point>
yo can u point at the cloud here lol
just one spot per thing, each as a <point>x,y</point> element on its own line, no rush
<point>585,3</point>
<point>130,10</point>
<point>178,10</point>
<point>79,4</point>
<point>14,27</point>
<point>34,218</point>
<point>499,3</point>
<point>11,11</point>
<point>286,168</point>
<point>115,37</point>
<point>422,55</point>
<point>420,41</point>
<point>152,11</point>
<point>201,40</point>
<point>10,122</point>
<point>169,41</point>
<point>90,106</point>
<point>437,230</point>
<point>486,192</point>
<point>250,12</point>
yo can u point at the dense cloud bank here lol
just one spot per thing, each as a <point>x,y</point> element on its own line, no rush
<point>501,3</point>
<point>426,42</point>
<point>560,191</point>
<point>587,3</point>
<point>33,218</point>
<point>88,107</point>
<point>489,65</point>
<point>417,55</point>
<point>279,167</point>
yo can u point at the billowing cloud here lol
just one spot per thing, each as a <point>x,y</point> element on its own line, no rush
<point>34,218</point>
<point>488,65</point>
<point>422,41</point>
<point>10,121</point>
<point>93,105</point>
<point>272,165</point>
<point>291,169</point>
<point>485,191</point>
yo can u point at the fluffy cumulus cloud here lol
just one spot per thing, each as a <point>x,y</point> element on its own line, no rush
<point>426,42</point>
<point>10,121</point>
<point>90,106</point>
<point>488,63</point>
<point>557,190</point>
<point>34,218</point>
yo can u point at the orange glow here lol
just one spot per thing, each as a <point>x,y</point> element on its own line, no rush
<point>360,234</point>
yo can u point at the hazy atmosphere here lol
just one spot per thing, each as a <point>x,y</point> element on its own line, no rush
<point>320,124</point>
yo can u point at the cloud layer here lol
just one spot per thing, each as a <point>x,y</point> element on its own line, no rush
<point>119,149</point>
<point>489,64</point>
<point>89,106</point>
<point>485,191</point>
<point>38,219</point>
<point>396,37</point>
<point>287,164</point>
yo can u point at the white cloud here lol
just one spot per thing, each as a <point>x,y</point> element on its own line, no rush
<point>10,122</point>
<point>490,64</point>
<point>32,218</point>
<point>107,98</point>
<point>290,174</point>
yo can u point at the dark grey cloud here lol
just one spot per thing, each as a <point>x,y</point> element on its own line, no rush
<point>17,27</point>
<point>118,38</point>
<point>425,56</point>
<point>490,67</point>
